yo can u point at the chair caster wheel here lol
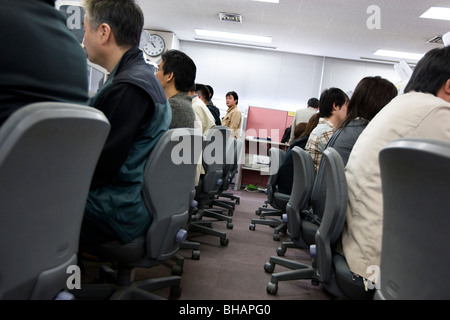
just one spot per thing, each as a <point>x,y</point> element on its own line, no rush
<point>175,291</point>
<point>195,254</point>
<point>177,270</point>
<point>269,267</point>
<point>229,225</point>
<point>224,242</point>
<point>315,282</point>
<point>258,212</point>
<point>238,201</point>
<point>272,288</point>
<point>281,252</point>
<point>251,227</point>
<point>276,237</point>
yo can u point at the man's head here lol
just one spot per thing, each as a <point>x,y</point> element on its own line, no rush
<point>176,72</point>
<point>232,99</point>
<point>111,23</point>
<point>203,92</point>
<point>333,104</point>
<point>211,91</point>
<point>432,74</point>
<point>313,103</point>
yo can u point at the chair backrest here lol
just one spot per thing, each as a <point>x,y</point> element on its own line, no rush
<point>319,191</point>
<point>168,183</point>
<point>276,156</point>
<point>214,158</point>
<point>237,154</point>
<point>334,213</point>
<point>48,153</point>
<point>229,165</point>
<point>415,175</point>
<point>304,174</point>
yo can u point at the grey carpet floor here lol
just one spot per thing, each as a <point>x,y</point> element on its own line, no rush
<point>236,271</point>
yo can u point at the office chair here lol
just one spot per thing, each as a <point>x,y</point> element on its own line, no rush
<point>167,189</point>
<point>213,157</point>
<point>234,168</point>
<point>48,153</point>
<point>328,267</point>
<point>228,167</point>
<point>275,199</point>
<point>415,256</point>
<point>301,231</point>
<point>312,215</point>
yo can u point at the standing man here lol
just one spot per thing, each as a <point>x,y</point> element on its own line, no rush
<point>49,65</point>
<point>303,115</point>
<point>176,73</point>
<point>134,102</point>
<point>233,117</point>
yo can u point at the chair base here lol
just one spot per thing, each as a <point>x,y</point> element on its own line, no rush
<point>278,224</point>
<point>117,285</point>
<point>299,271</point>
<point>205,227</point>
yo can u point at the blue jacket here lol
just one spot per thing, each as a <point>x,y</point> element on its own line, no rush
<point>119,202</point>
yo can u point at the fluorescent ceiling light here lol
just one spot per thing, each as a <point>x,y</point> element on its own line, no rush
<point>398,54</point>
<point>438,13</point>
<point>232,36</point>
<point>271,1</point>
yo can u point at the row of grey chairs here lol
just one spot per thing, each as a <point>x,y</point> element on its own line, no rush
<point>48,153</point>
<point>273,209</point>
<point>327,268</point>
<point>414,240</point>
<point>220,168</point>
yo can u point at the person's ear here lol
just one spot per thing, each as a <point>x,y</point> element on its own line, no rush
<point>105,32</point>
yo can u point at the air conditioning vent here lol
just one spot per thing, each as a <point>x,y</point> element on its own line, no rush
<point>436,39</point>
<point>230,17</point>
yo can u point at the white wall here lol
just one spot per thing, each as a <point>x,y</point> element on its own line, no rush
<point>276,80</point>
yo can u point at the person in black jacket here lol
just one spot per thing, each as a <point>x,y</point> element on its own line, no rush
<point>134,102</point>
<point>285,177</point>
<point>214,110</point>
<point>41,59</point>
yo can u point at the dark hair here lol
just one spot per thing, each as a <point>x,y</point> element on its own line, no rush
<point>370,96</point>
<point>182,67</point>
<point>313,103</point>
<point>125,18</point>
<point>312,123</point>
<point>431,72</point>
<point>235,96</point>
<point>211,91</point>
<point>203,91</point>
<point>299,129</point>
<point>328,98</point>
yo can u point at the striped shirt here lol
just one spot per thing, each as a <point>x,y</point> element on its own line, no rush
<point>318,140</point>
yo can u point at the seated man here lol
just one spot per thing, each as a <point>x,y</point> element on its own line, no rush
<point>49,66</point>
<point>176,73</point>
<point>134,102</point>
<point>302,131</point>
<point>424,112</point>
<point>333,109</point>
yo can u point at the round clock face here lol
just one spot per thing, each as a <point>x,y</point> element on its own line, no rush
<point>154,46</point>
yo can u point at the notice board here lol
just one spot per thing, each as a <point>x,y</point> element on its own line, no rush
<point>265,122</point>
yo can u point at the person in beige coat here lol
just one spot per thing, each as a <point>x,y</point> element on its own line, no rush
<point>422,112</point>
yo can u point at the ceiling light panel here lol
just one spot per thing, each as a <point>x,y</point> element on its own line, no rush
<point>271,1</point>
<point>232,36</point>
<point>439,13</point>
<point>399,54</point>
